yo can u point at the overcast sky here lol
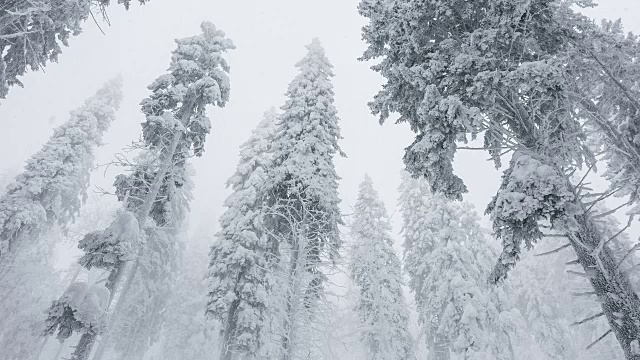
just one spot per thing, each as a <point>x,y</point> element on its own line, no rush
<point>270,38</point>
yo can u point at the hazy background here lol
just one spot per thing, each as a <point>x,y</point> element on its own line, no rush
<point>270,38</point>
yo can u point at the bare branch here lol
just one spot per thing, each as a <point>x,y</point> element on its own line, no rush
<point>555,250</point>
<point>573,262</point>
<point>590,318</point>
<point>598,339</point>
<point>577,273</point>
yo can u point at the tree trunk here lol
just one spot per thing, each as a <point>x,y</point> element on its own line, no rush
<point>226,352</point>
<point>620,304</point>
<point>287,344</point>
<point>83,348</point>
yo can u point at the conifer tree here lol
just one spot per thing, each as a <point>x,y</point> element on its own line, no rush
<point>239,269</point>
<point>302,187</point>
<point>175,130</point>
<point>448,264</point>
<point>525,74</point>
<point>377,273</point>
<point>33,32</point>
<point>53,185</point>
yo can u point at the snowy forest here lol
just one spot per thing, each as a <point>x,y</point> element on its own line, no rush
<point>330,180</point>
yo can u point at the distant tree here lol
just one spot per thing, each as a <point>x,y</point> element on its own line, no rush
<point>175,130</point>
<point>377,273</point>
<point>186,332</point>
<point>537,292</point>
<point>238,267</point>
<point>25,292</point>
<point>302,183</point>
<point>54,183</point>
<point>32,33</point>
<point>448,262</point>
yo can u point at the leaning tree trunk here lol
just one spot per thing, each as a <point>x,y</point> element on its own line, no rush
<point>128,269</point>
<point>620,304</point>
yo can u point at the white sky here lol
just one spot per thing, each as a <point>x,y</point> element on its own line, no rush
<point>270,38</point>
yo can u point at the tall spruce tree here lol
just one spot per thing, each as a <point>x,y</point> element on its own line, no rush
<point>239,264</point>
<point>302,187</point>
<point>525,74</point>
<point>448,262</point>
<point>175,130</point>
<point>53,185</point>
<point>377,273</point>
<point>33,32</point>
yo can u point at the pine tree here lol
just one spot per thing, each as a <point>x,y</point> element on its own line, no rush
<point>377,273</point>
<point>175,129</point>
<point>32,33</point>
<point>448,264</point>
<point>302,188</point>
<point>54,183</point>
<point>238,268</point>
<point>514,71</point>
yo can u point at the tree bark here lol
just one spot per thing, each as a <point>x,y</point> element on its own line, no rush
<point>619,302</point>
<point>226,352</point>
<point>84,346</point>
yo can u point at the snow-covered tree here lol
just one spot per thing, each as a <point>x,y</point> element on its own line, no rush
<point>238,268</point>
<point>448,262</point>
<point>302,183</point>
<point>53,185</point>
<point>175,130</point>
<point>32,33</point>
<point>511,70</point>
<point>377,273</point>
